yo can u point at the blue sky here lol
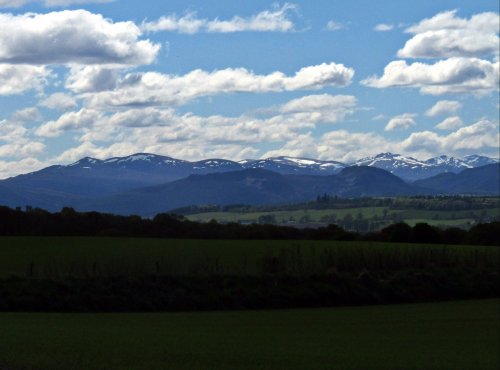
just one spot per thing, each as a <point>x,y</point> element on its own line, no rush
<point>335,80</point>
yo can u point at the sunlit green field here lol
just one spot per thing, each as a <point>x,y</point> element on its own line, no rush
<point>451,218</point>
<point>452,335</point>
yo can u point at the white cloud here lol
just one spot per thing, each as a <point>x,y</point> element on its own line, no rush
<point>165,125</point>
<point>453,75</point>
<point>323,108</point>
<point>72,36</point>
<point>48,3</point>
<point>481,136</point>
<point>11,131</point>
<point>59,101</point>
<point>446,35</point>
<point>402,121</point>
<point>450,123</point>
<point>152,88</point>
<point>443,107</point>
<point>334,26</point>
<point>383,27</point>
<point>92,78</point>
<point>379,117</point>
<point>276,20</point>
<point>26,115</point>
<point>84,118</point>
<point>17,79</point>
<point>16,167</point>
<point>21,150</point>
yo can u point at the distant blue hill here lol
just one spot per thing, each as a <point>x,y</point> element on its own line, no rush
<point>148,183</point>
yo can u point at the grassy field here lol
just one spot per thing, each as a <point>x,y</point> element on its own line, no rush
<point>440,218</point>
<point>452,335</point>
<point>315,215</point>
<point>59,257</point>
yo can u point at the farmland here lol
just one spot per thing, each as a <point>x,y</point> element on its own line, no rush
<point>60,257</point>
<point>450,335</point>
<point>369,218</point>
<point>363,214</point>
<point>134,274</point>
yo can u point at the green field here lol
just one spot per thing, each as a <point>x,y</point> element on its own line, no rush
<point>315,215</point>
<point>59,257</point>
<point>382,215</point>
<point>452,335</point>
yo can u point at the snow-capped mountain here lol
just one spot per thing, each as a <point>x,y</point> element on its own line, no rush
<point>411,169</point>
<point>298,166</point>
<point>449,164</point>
<point>96,180</point>
<point>475,160</point>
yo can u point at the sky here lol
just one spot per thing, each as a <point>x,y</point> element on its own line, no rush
<point>333,80</point>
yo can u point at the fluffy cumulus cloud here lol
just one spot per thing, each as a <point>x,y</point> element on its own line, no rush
<point>23,165</point>
<point>443,107</point>
<point>92,78</point>
<point>29,114</point>
<point>402,121</point>
<point>83,118</point>
<point>72,37</point>
<point>453,75</point>
<point>165,125</point>
<point>446,35</point>
<point>324,108</point>
<point>275,20</point>
<point>18,79</point>
<point>152,88</point>
<point>12,131</point>
<point>450,123</point>
<point>483,136</point>
<point>345,146</point>
<point>59,101</point>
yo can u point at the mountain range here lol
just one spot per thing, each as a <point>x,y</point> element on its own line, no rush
<point>146,184</point>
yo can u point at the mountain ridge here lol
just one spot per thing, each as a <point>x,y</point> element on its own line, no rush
<point>92,182</point>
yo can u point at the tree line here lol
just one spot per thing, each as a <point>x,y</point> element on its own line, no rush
<point>68,222</point>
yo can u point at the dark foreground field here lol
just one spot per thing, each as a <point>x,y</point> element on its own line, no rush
<point>85,274</point>
<point>451,335</point>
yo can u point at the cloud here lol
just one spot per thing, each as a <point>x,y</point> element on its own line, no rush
<point>48,3</point>
<point>26,115</point>
<point>15,167</point>
<point>72,37</point>
<point>92,78</point>
<point>481,136</point>
<point>383,27</point>
<point>20,150</point>
<point>12,131</point>
<point>450,123</point>
<point>443,107</point>
<point>446,35</point>
<point>402,121</point>
<point>323,108</point>
<point>83,118</point>
<point>18,79</point>
<point>59,101</point>
<point>453,75</point>
<point>152,88</point>
<point>334,26</point>
<point>276,20</point>
<point>167,126</point>
<point>379,117</point>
